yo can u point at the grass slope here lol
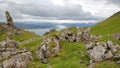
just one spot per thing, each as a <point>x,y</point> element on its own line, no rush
<point>73,55</point>
<point>24,35</point>
<point>108,26</point>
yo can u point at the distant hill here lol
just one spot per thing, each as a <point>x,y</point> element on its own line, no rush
<point>109,26</point>
<point>40,25</point>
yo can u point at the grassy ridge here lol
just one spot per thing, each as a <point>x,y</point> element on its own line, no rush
<point>108,26</point>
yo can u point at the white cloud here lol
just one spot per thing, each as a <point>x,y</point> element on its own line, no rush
<point>59,11</point>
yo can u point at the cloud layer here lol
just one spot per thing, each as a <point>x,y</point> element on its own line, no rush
<point>59,10</point>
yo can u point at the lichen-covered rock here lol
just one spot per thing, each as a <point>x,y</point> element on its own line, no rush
<point>11,56</point>
<point>114,47</point>
<point>90,45</point>
<point>108,55</point>
<point>8,43</point>
<point>82,35</point>
<point>100,51</point>
<point>18,61</point>
<point>9,18</point>
<point>116,36</point>
<point>48,47</point>
<point>97,53</point>
<point>68,36</point>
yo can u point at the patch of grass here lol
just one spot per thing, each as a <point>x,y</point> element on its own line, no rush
<point>106,64</point>
<point>31,45</point>
<point>25,35</point>
<point>70,57</point>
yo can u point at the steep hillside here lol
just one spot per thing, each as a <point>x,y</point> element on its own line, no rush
<point>109,26</point>
<point>15,33</point>
<point>23,38</point>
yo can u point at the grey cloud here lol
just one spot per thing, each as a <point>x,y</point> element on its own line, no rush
<point>47,9</point>
<point>116,2</point>
<point>9,6</point>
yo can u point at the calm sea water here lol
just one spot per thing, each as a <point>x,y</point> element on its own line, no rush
<point>42,31</point>
<point>38,31</point>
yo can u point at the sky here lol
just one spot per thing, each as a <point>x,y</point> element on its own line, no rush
<point>59,11</point>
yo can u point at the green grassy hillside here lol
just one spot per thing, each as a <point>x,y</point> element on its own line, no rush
<point>72,55</point>
<point>15,33</point>
<point>109,26</point>
<point>25,39</point>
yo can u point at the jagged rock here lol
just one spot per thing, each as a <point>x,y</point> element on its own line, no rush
<point>79,37</point>
<point>68,36</point>
<point>97,53</point>
<point>82,35</point>
<point>100,51</point>
<point>90,45</point>
<point>86,34</point>
<point>8,43</point>
<point>48,47</point>
<point>108,55</point>
<point>116,36</point>
<point>11,56</point>
<point>114,47</point>
<point>18,61</point>
<point>9,18</point>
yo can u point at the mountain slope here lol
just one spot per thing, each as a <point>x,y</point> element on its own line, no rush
<point>109,26</point>
<point>15,33</point>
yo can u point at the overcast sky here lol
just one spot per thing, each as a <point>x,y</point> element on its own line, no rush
<point>59,11</point>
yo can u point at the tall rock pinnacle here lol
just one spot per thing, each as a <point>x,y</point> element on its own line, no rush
<point>9,18</point>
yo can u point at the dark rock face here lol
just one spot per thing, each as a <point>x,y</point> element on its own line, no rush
<point>12,57</point>
<point>48,47</point>
<point>9,18</point>
<point>100,51</point>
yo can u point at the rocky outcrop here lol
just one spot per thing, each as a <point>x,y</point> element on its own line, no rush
<point>11,56</point>
<point>82,35</point>
<point>116,36</point>
<point>68,36</point>
<point>9,30</point>
<point>100,51</point>
<point>49,46</point>
<point>9,18</point>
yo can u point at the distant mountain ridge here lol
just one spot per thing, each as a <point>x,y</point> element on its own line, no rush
<point>36,25</point>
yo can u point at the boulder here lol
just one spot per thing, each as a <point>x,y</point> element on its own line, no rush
<point>8,43</point>
<point>11,56</point>
<point>48,47</point>
<point>90,45</point>
<point>100,51</point>
<point>108,55</point>
<point>97,53</point>
<point>114,47</point>
<point>116,36</point>
<point>9,18</point>
<point>18,61</point>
